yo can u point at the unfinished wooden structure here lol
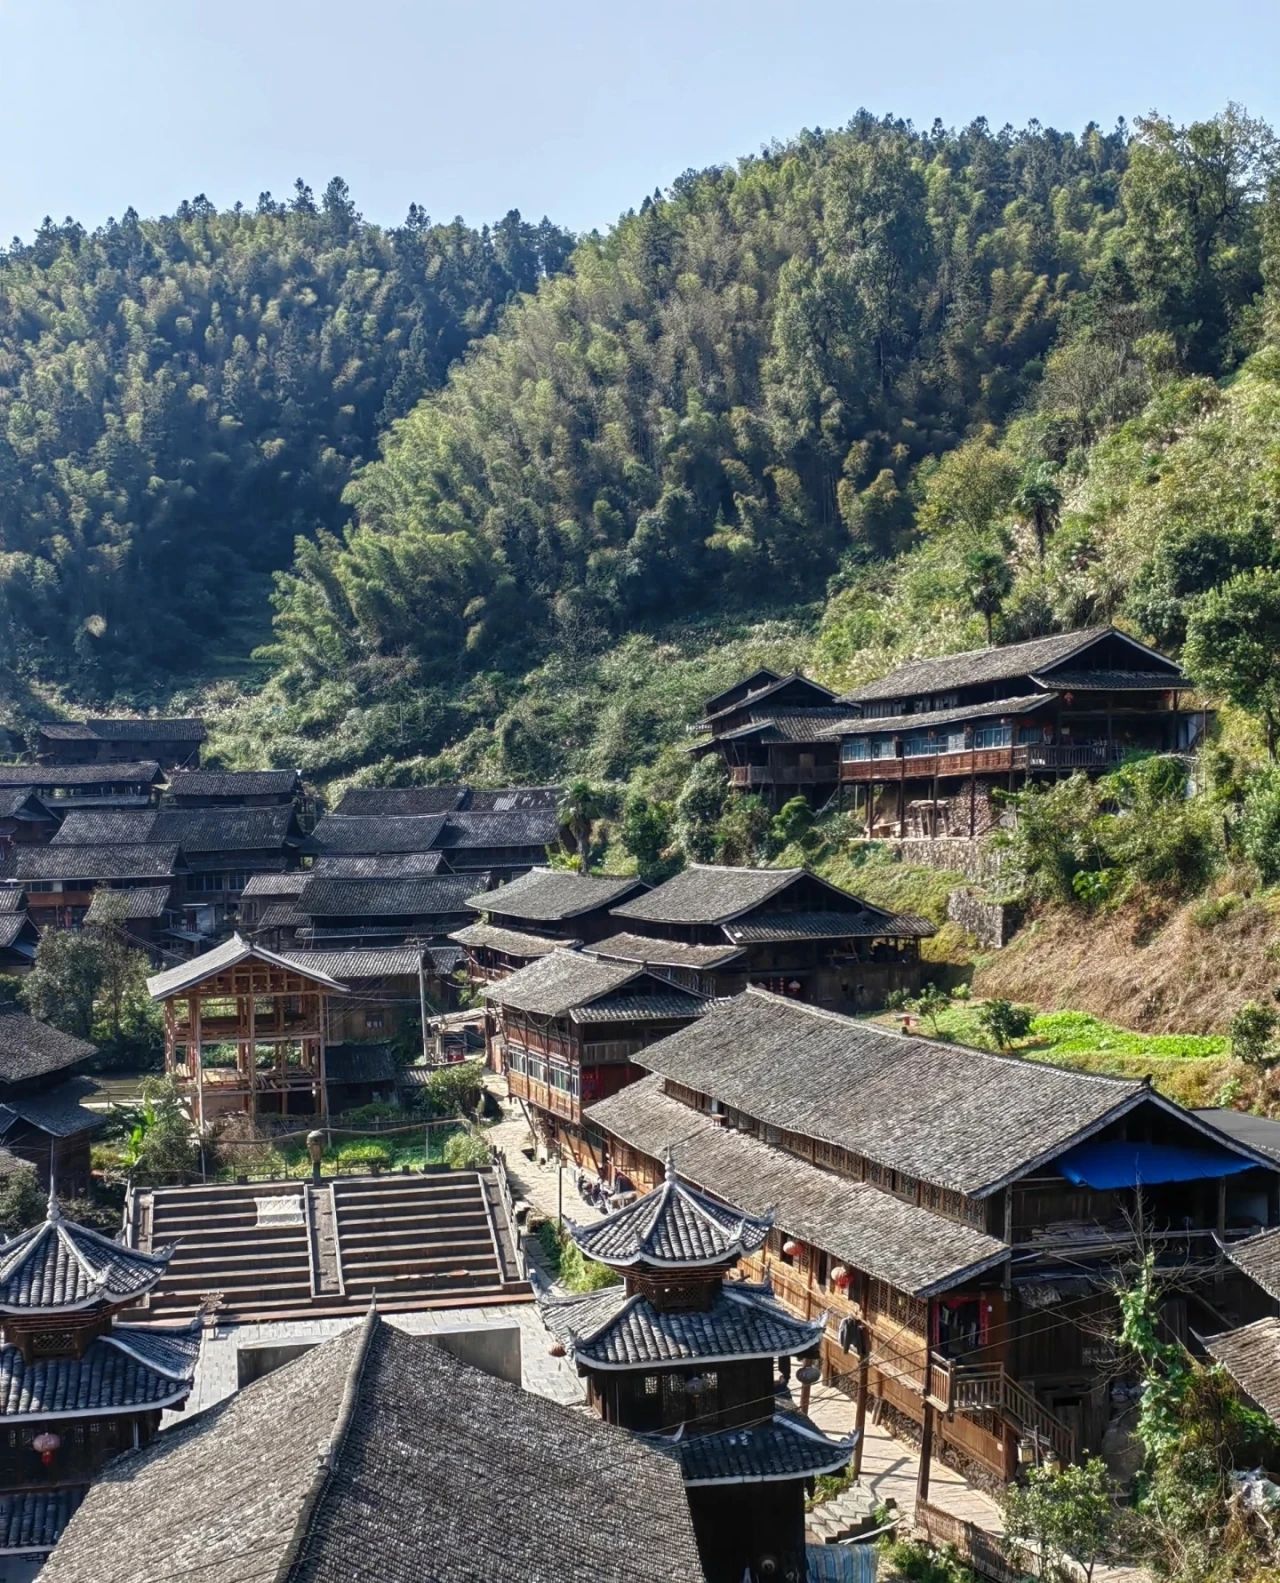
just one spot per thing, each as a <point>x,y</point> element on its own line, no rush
<point>957,1215</point>
<point>684,1355</point>
<point>245,1030</point>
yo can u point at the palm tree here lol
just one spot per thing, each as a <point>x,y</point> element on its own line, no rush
<point>580,807</point>
<point>1039,501</point>
<point>987,581</point>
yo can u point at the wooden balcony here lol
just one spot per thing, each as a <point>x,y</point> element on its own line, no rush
<point>747,775</point>
<point>980,1389</point>
<point>1025,757</point>
<point>542,1095</point>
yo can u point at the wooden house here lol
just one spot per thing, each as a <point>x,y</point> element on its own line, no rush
<point>19,936</point>
<point>24,819</point>
<point>369,835</point>
<point>43,1083</point>
<point>1250,1351</point>
<point>144,912</point>
<point>175,744</point>
<point>400,801</point>
<point>133,783</point>
<point>564,1031</point>
<point>684,1356</point>
<point>773,734</point>
<point>386,984</point>
<point>957,1215</point>
<point>924,746</point>
<point>717,929</point>
<point>234,788</point>
<point>530,916</point>
<point>385,1457</point>
<point>246,1030</point>
<point>60,881</point>
<point>79,1386</point>
<point>382,911</point>
<point>501,841</point>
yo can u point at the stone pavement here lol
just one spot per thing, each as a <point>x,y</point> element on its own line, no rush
<point>535,1183</point>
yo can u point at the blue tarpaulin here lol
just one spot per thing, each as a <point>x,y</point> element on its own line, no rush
<point>1120,1164</point>
<point>841,1563</point>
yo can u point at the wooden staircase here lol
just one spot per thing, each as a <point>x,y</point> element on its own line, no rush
<point>984,1390</point>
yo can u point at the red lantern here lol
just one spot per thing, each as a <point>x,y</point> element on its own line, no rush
<point>556,1349</point>
<point>840,1277</point>
<point>46,1444</point>
<point>791,1247</point>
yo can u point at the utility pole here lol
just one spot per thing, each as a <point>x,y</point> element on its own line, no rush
<point>422,997</point>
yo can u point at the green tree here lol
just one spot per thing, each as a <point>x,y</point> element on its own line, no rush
<point>160,1142</point>
<point>1233,645</point>
<point>22,1202</point>
<point>1064,1515</point>
<point>987,584</point>
<point>62,987</point>
<point>1259,825</point>
<point>931,1003</point>
<point>580,807</point>
<point>1253,1031</point>
<point>646,833</point>
<point>742,831</point>
<point>1039,501</point>
<point>793,822</point>
<point>699,807</point>
<point>1005,1023</point>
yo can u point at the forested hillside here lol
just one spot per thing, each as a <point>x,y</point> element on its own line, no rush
<point>180,397</point>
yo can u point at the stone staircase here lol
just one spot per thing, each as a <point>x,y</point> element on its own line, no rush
<point>851,1512</point>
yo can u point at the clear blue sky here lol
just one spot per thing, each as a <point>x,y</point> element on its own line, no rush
<point>561,107</point>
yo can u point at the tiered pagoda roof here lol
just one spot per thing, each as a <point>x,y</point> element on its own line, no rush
<point>675,1227</point>
<point>125,1370</point>
<point>613,1330</point>
<point>59,1267</point>
<point>782,1448</point>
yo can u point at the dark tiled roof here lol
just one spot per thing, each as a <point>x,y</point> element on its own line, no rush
<point>924,719</point>
<point>233,783</point>
<point>664,953</point>
<point>35,1520</point>
<point>761,678</point>
<point>958,1117</point>
<point>446,959</point>
<point>1255,1132</point>
<point>512,941</point>
<point>673,1227</point>
<point>58,1265</point>
<point>609,1330</point>
<point>789,725</point>
<point>707,893</point>
<point>80,774</point>
<point>383,800</point>
<point>156,728</point>
<point>913,1249</point>
<point>122,1370</point>
<point>225,829</point>
<point>123,906</point>
<point>29,1048</point>
<point>783,1448</point>
<point>322,897</point>
<point>501,799</point>
<point>383,961</point>
<point>1259,1258</point>
<point>1251,1356</point>
<point>538,826</point>
<point>12,898</point>
<point>384,865</point>
<point>820,693</point>
<point>357,833</point>
<point>282,915</point>
<point>175,979</point>
<point>13,925</point>
<point>549,895</point>
<point>871,924</point>
<point>274,885</point>
<point>360,1063</point>
<point>564,982</point>
<point>1003,662</point>
<point>105,827</point>
<point>96,862</point>
<point>57,1111</point>
<point>1118,681</point>
<point>649,1005</point>
<point>399,1463</point>
<point>18,800</point>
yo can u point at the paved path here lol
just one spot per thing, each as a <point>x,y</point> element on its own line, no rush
<point>535,1183</point>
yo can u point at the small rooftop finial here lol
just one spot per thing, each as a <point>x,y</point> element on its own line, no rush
<point>669,1161</point>
<point>54,1210</point>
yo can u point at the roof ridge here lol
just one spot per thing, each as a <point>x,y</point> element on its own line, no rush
<point>327,1463</point>
<point>33,1235</point>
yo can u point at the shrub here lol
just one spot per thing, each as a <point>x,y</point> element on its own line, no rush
<point>1213,910</point>
<point>1003,1022</point>
<point>1252,1030</point>
<point>571,1269</point>
<point>22,1200</point>
<point>465,1151</point>
<point>930,1004</point>
<point>454,1090</point>
<point>1259,827</point>
<point>363,1153</point>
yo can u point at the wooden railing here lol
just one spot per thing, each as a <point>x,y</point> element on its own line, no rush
<point>982,1550</point>
<point>543,1095</point>
<point>978,1388</point>
<point>984,761</point>
<point>781,775</point>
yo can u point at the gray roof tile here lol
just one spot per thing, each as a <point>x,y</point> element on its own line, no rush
<point>400,800</point>
<point>115,1373</point>
<point>550,895</point>
<point>226,829</point>
<point>611,1330</point>
<point>133,772</point>
<point>513,941</point>
<point>58,1266</point>
<point>664,953</point>
<point>1259,1257</point>
<point>499,827</point>
<point>399,1463</point>
<point>958,1117</point>
<point>233,783</point>
<point>1251,1356</point>
<point>30,1048</point>
<point>431,895</point>
<point>785,1447</point>
<point>379,865</point>
<point>57,1111</point>
<point>122,906</point>
<point>869,924</point>
<point>708,893</point>
<point>673,1227</point>
<point>376,833</point>
<point>95,862</point>
<point>130,728</point>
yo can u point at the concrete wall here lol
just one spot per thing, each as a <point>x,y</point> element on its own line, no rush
<point>991,923</point>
